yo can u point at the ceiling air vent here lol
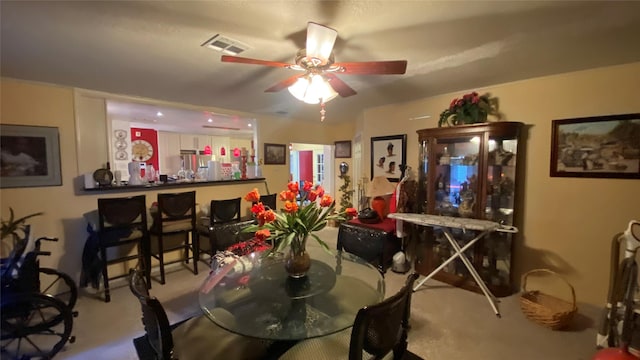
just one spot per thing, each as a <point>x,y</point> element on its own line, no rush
<point>226,45</point>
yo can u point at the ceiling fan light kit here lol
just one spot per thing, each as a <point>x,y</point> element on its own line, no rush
<point>319,83</point>
<point>312,89</point>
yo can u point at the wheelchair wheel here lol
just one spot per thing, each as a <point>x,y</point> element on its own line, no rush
<point>34,326</point>
<point>58,285</point>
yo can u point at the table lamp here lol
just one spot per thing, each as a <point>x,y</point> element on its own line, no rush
<point>380,191</point>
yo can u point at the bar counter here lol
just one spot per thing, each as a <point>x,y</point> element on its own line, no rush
<point>167,185</point>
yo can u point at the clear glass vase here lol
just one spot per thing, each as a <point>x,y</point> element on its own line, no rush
<point>297,261</point>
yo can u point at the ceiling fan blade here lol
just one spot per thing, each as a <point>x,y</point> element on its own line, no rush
<point>284,83</point>
<point>243,60</point>
<point>339,86</point>
<point>320,40</point>
<point>394,67</point>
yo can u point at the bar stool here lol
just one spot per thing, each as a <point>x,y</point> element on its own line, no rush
<point>175,216</point>
<point>225,224</point>
<point>122,227</point>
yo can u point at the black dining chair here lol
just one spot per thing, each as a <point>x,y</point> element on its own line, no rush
<point>378,331</point>
<point>174,228</point>
<point>224,227</point>
<point>122,235</point>
<point>270,200</point>
<point>195,338</point>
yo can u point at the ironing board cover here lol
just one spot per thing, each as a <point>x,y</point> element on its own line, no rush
<point>446,221</point>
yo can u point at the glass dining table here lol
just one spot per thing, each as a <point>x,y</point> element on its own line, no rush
<point>253,296</point>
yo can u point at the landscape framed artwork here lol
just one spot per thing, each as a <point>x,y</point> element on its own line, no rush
<point>597,147</point>
<point>343,149</point>
<point>275,154</point>
<point>30,156</point>
<point>387,154</point>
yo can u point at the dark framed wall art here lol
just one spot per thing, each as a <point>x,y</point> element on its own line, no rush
<point>30,156</point>
<point>343,149</point>
<point>596,147</point>
<point>275,154</point>
<point>387,154</point>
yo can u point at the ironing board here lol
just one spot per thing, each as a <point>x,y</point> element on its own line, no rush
<point>446,223</point>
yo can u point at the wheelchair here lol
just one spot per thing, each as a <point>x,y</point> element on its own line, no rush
<point>36,304</point>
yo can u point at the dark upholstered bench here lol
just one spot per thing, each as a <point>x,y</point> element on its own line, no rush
<point>376,243</point>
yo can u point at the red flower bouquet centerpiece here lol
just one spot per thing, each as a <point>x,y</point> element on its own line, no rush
<point>304,213</point>
<point>470,109</point>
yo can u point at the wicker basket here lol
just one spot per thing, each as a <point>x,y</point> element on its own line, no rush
<point>544,309</point>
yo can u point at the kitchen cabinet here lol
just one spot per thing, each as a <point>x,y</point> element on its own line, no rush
<point>219,142</point>
<point>195,142</point>
<point>169,152</point>
<point>470,171</point>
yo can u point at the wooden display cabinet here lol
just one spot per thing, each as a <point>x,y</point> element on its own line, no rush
<point>470,171</point>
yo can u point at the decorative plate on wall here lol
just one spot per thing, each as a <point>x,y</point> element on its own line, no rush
<point>120,134</point>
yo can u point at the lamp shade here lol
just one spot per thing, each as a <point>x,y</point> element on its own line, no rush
<point>320,40</point>
<point>380,186</point>
<point>312,89</point>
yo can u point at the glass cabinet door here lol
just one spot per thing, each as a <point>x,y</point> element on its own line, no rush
<point>456,182</point>
<point>423,178</point>
<point>501,180</point>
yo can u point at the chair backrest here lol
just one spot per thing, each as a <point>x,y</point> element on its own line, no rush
<point>120,216</point>
<point>270,201</point>
<point>222,211</point>
<point>154,318</point>
<point>177,208</point>
<point>381,328</point>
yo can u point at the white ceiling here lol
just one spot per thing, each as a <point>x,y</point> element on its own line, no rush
<point>153,49</point>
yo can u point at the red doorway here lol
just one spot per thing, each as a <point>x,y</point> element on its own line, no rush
<point>305,159</point>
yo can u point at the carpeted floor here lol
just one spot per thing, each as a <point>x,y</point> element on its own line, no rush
<point>447,323</point>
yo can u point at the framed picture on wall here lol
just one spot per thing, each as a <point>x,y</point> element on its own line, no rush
<point>343,149</point>
<point>30,156</point>
<point>596,147</point>
<point>387,153</point>
<point>275,154</point>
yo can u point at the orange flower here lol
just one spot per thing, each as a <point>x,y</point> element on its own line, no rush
<point>287,195</point>
<point>326,201</point>
<point>307,185</point>
<point>293,187</point>
<point>257,208</point>
<point>290,196</point>
<point>351,212</point>
<point>270,216</point>
<point>263,234</point>
<point>266,217</point>
<point>312,195</point>
<point>320,191</point>
<point>290,207</point>
<point>253,196</point>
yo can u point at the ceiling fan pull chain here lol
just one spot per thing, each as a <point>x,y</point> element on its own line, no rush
<point>322,110</point>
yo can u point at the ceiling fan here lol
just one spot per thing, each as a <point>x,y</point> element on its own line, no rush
<point>319,68</point>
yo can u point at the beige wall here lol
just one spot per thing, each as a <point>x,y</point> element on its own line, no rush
<point>568,223</point>
<point>28,103</point>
